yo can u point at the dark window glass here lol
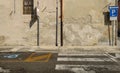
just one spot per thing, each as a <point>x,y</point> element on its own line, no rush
<point>27,6</point>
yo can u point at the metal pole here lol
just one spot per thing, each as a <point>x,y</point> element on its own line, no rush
<point>116,26</point>
<point>61,21</point>
<point>56,22</point>
<point>113,33</point>
<point>37,31</point>
<point>109,34</point>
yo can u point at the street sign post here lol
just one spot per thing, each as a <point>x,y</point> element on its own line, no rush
<point>35,18</point>
<point>113,12</point>
<point>56,22</point>
<point>113,17</point>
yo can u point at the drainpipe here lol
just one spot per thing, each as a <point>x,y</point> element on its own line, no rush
<point>61,21</point>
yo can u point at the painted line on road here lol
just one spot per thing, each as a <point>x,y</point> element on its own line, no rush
<point>83,59</point>
<point>38,58</point>
<point>113,58</point>
<point>64,67</point>
<point>61,54</point>
<point>31,58</point>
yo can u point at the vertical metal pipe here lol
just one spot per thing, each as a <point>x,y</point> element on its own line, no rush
<point>109,34</point>
<point>56,22</point>
<point>61,21</point>
<point>116,26</point>
<point>112,33</point>
<point>37,31</point>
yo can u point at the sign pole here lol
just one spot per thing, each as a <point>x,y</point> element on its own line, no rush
<point>116,27</point>
<point>35,18</point>
<point>114,33</point>
<point>113,18</point>
<point>56,22</point>
<point>37,31</point>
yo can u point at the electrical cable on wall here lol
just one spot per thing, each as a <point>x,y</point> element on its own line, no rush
<point>14,6</point>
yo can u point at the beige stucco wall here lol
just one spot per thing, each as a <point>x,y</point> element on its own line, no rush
<point>83,23</point>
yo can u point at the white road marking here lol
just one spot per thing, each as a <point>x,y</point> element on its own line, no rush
<point>112,58</point>
<point>83,59</point>
<point>81,54</point>
<point>4,70</point>
<point>65,67</point>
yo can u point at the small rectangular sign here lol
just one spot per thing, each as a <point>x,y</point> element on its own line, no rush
<point>113,12</point>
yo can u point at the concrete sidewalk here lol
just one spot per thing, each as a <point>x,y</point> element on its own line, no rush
<point>110,49</point>
<point>27,48</point>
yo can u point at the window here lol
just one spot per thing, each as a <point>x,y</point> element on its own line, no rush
<point>27,6</point>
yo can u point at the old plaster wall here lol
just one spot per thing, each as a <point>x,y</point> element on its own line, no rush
<point>83,23</point>
<point>11,23</point>
<point>14,26</point>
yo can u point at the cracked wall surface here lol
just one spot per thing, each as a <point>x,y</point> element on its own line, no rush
<point>83,23</point>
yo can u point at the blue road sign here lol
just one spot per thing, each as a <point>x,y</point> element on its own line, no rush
<point>113,12</point>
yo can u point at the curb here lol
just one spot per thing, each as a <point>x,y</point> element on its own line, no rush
<point>111,49</point>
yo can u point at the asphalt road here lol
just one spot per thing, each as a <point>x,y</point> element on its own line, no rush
<point>47,62</point>
<point>29,62</point>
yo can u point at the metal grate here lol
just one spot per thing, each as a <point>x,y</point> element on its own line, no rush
<point>28,6</point>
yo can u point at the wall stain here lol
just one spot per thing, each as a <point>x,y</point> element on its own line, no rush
<point>2,39</point>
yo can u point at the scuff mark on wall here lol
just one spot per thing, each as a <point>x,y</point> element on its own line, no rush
<point>2,39</point>
<point>44,9</point>
<point>82,19</point>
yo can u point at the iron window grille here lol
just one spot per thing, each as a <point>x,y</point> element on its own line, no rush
<point>28,6</point>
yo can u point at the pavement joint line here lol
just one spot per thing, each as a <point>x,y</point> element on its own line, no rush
<point>40,51</point>
<point>15,49</point>
<point>47,51</point>
<point>30,51</point>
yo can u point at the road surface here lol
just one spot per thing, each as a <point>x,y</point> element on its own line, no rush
<point>48,62</point>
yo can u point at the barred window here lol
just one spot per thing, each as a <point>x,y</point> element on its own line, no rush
<point>27,6</point>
